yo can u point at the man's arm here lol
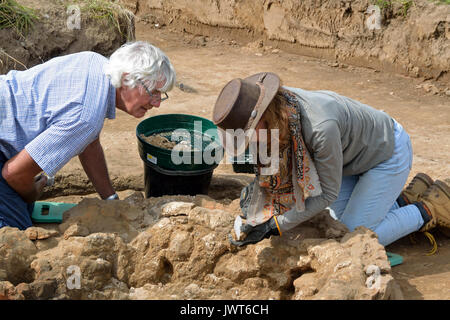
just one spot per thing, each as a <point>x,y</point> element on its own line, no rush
<point>19,172</point>
<point>94,164</point>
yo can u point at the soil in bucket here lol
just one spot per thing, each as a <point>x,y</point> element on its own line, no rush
<point>163,176</point>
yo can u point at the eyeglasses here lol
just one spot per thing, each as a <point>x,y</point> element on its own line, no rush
<point>166,96</point>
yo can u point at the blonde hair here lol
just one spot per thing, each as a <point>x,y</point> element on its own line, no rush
<point>276,116</point>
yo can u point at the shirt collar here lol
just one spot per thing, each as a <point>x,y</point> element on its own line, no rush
<point>111,104</point>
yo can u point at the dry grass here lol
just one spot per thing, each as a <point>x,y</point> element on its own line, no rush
<point>5,58</point>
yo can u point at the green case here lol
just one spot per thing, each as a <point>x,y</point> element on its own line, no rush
<point>394,259</point>
<point>49,212</point>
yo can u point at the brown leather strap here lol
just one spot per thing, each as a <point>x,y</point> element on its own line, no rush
<point>258,104</point>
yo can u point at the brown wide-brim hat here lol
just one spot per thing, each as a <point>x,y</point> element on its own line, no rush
<point>242,103</point>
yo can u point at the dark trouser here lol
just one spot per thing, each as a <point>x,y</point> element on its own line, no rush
<point>14,212</point>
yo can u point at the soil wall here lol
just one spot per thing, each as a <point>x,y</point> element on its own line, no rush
<point>406,37</point>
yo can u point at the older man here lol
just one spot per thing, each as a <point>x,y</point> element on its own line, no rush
<point>55,111</point>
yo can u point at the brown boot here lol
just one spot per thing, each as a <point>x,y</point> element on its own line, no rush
<point>418,185</point>
<point>436,202</point>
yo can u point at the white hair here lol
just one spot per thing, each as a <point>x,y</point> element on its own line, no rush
<point>141,61</point>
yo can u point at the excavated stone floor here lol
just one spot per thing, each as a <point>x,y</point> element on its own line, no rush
<point>176,247</point>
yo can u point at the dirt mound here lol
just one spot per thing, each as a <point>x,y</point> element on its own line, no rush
<point>407,37</point>
<point>176,247</point>
<point>54,35</point>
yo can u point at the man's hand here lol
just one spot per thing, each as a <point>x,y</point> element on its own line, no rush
<point>49,180</point>
<point>40,182</point>
<point>254,234</point>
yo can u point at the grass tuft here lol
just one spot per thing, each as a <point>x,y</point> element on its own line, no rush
<point>114,13</point>
<point>406,4</point>
<point>16,16</point>
<point>385,4</point>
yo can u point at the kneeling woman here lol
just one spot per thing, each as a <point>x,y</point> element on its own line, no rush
<point>343,154</point>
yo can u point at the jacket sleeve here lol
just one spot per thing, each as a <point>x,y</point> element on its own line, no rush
<point>327,156</point>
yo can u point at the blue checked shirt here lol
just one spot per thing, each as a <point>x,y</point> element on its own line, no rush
<point>56,109</point>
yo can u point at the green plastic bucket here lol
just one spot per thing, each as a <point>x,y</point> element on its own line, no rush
<point>244,165</point>
<point>159,182</point>
<point>170,172</point>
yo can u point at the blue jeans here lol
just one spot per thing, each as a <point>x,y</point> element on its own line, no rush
<point>14,212</point>
<point>369,199</point>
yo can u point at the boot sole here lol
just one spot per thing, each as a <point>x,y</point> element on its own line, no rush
<point>443,186</point>
<point>425,179</point>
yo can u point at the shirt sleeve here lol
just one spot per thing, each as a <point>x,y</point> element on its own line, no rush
<point>328,160</point>
<point>59,143</point>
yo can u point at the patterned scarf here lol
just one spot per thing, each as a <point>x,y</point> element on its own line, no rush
<point>280,193</point>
